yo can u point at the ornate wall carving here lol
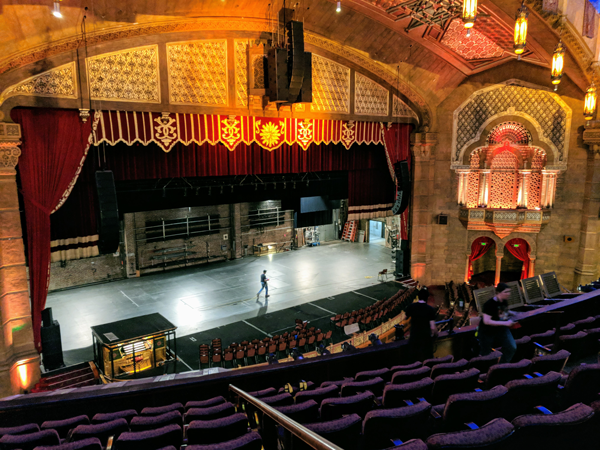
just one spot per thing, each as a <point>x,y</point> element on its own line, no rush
<point>9,154</point>
<point>369,97</point>
<point>60,82</point>
<point>547,112</point>
<point>401,109</point>
<point>331,86</point>
<point>241,72</point>
<point>198,72</point>
<point>258,69</point>
<point>129,75</point>
<point>477,46</point>
<point>504,181</point>
<point>513,132</point>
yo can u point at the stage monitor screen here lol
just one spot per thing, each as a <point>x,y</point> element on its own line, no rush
<point>313,204</point>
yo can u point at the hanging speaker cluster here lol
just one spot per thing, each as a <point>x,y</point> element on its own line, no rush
<point>402,175</point>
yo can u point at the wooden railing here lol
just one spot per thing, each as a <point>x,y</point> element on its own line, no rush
<point>309,437</point>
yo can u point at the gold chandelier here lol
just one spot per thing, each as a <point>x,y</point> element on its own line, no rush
<point>469,14</point>
<point>520,40</point>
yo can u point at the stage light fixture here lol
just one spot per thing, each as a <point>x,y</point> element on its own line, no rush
<point>558,64</point>
<point>339,7</point>
<point>520,40</point>
<point>589,104</point>
<point>469,14</point>
<point>56,12</point>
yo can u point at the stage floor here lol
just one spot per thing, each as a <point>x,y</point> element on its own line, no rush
<point>204,300</point>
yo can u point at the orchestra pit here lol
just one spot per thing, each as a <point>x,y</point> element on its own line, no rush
<point>355,224</point>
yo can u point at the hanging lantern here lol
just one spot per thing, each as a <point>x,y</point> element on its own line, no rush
<point>469,14</point>
<point>589,104</point>
<point>521,30</point>
<point>558,62</point>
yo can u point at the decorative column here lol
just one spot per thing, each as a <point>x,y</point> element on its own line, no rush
<point>525,176</point>
<point>531,272</point>
<point>499,257</point>
<point>586,267</point>
<point>19,360</point>
<point>423,145</point>
<point>468,267</point>
<point>463,187</point>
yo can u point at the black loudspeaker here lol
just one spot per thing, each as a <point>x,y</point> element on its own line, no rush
<point>52,347</point>
<point>306,92</point>
<point>402,175</point>
<point>47,319</point>
<point>296,65</point>
<point>108,217</point>
<point>403,262</point>
<point>277,73</point>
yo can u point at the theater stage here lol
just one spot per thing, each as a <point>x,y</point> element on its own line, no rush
<point>205,300</point>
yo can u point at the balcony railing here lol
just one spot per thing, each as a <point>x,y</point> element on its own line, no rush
<point>502,222</point>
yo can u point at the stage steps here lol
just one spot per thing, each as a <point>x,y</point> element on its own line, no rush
<point>84,374</point>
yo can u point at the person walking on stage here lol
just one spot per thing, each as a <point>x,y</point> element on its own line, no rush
<point>494,328</point>
<point>263,283</point>
<point>422,327</point>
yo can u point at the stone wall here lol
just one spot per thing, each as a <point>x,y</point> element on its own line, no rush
<point>450,244</point>
<point>80,272</point>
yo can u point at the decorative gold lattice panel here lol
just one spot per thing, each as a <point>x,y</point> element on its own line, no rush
<point>331,86</point>
<point>258,69</point>
<point>128,75</point>
<point>60,82</point>
<point>401,109</point>
<point>370,98</point>
<point>473,181</point>
<point>534,193</point>
<point>198,72</point>
<point>538,162</point>
<point>241,72</point>
<point>503,190</point>
<point>513,132</point>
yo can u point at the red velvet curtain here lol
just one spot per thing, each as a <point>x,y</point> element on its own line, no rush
<point>479,247</point>
<point>397,147</point>
<point>55,144</point>
<point>521,253</point>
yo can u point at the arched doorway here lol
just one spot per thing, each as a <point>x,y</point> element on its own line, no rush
<point>518,250</point>
<point>482,262</point>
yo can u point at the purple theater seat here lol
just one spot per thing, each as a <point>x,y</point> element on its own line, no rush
<point>264,393</point>
<point>337,382</point>
<point>524,349</point>
<point>568,328</point>
<point>382,425</point>
<point>544,338</point>
<point>210,413</point>
<point>126,414</point>
<point>491,433</point>
<point>158,410</point>
<point>442,360</point>
<point>467,407</point>
<point>591,344</point>
<point>295,389</point>
<point>318,395</point>
<point>21,429</point>
<point>483,363</point>
<point>63,427</point>
<point>218,430</point>
<point>574,343</point>
<point>205,403</point>
<point>412,366</point>
<point>278,400</point>
<point>145,423</point>
<point>30,440</point>
<point>395,394</point>
<point>370,374</point>
<point>448,368</point>
<point>413,444</point>
<point>334,408</point>
<point>84,444</point>
<point>408,376</point>
<point>572,428</point>
<point>555,362</point>
<point>343,432</point>
<point>503,373</point>
<point>101,431</point>
<point>583,324</point>
<point>582,384</point>
<point>446,385</point>
<point>249,441</point>
<point>374,385</point>
<point>305,412</point>
<point>150,440</point>
<point>525,394</point>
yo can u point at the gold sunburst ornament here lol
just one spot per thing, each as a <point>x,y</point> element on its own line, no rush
<point>270,134</point>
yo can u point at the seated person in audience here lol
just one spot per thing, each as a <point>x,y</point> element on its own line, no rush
<point>348,347</point>
<point>422,327</point>
<point>375,339</point>
<point>494,328</point>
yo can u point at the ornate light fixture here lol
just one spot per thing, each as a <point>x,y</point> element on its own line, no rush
<point>521,30</point>
<point>558,62</point>
<point>589,104</point>
<point>469,14</point>
<point>56,12</point>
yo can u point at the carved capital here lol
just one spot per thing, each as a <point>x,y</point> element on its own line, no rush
<point>9,154</point>
<point>423,145</point>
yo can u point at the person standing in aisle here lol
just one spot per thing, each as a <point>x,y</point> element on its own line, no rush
<point>264,284</point>
<point>494,327</point>
<point>422,327</point>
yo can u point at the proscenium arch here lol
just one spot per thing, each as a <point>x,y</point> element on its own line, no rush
<point>508,112</point>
